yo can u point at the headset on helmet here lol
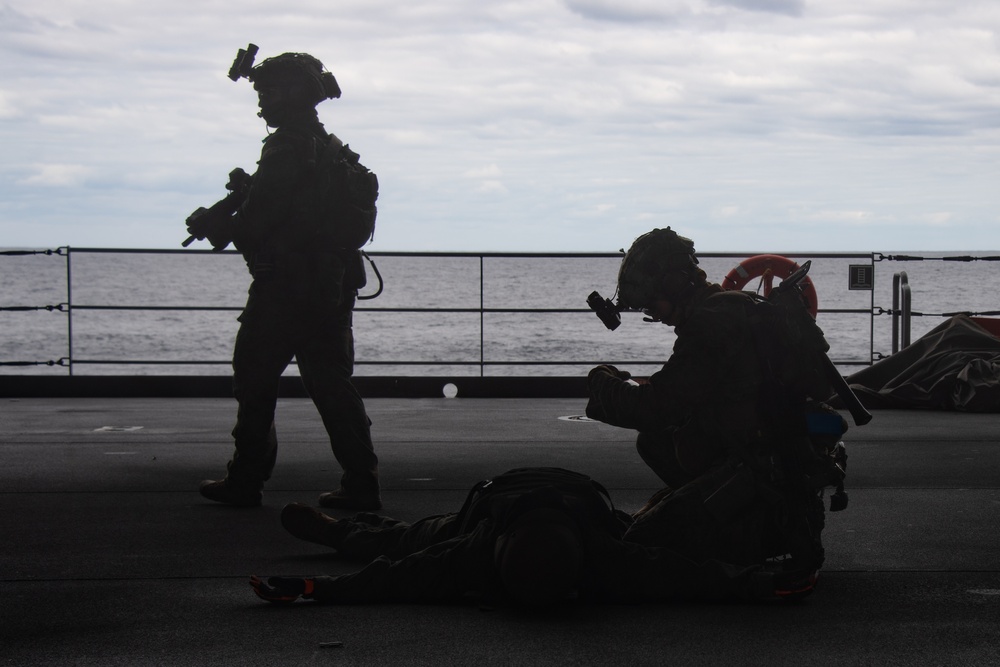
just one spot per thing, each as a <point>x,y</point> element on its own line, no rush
<point>286,69</point>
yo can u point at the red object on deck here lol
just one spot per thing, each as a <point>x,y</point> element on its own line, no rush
<point>991,324</point>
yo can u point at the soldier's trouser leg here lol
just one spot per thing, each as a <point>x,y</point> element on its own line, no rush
<point>362,540</point>
<point>326,362</point>
<point>446,571</point>
<point>658,452</point>
<point>628,572</point>
<point>261,354</point>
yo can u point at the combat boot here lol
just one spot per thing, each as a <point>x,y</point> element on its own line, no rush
<point>223,491</point>
<point>311,525</point>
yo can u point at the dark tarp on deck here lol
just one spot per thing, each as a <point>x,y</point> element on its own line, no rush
<point>955,366</point>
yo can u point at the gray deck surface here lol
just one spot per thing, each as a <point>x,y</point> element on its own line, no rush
<point>111,557</point>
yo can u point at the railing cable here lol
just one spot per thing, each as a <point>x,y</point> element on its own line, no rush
<point>14,253</point>
<point>952,258</point>
<point>63,361</point>
<point>62,307</point>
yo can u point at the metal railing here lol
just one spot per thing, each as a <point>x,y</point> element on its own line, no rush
<point>902,297</point>
<point>69,306</point>
<point>902,310</point>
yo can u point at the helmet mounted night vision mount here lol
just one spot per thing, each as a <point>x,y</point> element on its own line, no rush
<point>606,309</point>
<point>297,65</point>
<point>243,64</point>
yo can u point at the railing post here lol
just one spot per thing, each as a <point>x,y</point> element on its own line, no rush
<point>900,309</point>
<point>907,304</point>
<point>895,313</point>
<point>482,319</point>
<point>69,310</point>
<point>871,317</point>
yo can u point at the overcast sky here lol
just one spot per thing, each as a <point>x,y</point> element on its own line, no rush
<point>528,125</point>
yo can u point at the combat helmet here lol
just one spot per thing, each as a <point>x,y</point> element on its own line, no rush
<point>298,72</point>
<point>660,263</point>
<point>302,77</point>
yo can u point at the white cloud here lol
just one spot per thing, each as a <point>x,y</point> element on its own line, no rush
<point>57,175</point>
<point>936,219</point>
<point>860,115</point>
<point>629,10</point>
<point>790,7</point>
<point>491,187</point>
<point>489,177</point>
<point>6,105</point>
<point>842,217</point>
<point>486,171</point>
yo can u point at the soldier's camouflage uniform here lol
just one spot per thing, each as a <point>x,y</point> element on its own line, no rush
<point>450,557</point>
<point>300,305</point>
<point>701,430</point>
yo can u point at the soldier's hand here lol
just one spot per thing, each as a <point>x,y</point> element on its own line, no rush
<point>197,223</point>
<point>220,233</point>
<point>595,410</point>
<point>610,370</point>
<point>281,590</point>
<point>205,223</point>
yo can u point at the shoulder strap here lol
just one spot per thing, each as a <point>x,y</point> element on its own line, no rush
<point>333,143</point>
<point>604,492</point>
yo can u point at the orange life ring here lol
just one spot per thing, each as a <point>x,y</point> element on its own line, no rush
<point>767,267</point>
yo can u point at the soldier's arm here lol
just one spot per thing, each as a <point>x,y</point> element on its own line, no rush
<point>269,198</point>
<point>644,407</point>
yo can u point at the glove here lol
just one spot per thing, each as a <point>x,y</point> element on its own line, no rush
<point>595,410</point>
<point>220,234</point>
<point>282,590</point>
<point>204,223</point>
<point>610,370</point>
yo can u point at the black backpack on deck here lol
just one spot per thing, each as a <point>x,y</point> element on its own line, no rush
<point>505,496</point>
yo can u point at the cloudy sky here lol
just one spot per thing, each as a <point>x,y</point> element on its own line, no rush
<point>527,125</point>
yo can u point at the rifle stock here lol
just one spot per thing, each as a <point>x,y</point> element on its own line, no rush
<point>846,394</point>
<point>837,381</point>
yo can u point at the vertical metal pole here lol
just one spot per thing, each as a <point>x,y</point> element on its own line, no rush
<point>907,304</point>
<point>895,313</point>
<point>482,319</point>
<point>69,309</point>
<point>871,318</point>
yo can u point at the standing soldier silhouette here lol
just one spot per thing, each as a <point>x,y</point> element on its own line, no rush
<point>305,283</point>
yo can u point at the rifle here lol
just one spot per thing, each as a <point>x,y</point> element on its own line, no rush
<point>833,376</point>
<point>199,223</point>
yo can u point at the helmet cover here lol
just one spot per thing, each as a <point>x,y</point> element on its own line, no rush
<point>660,263</point>
<point>298,72</point>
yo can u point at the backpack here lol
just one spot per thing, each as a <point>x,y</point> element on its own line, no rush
<point>345,192</point>
<point>792,351</point>
<point>516,491</point>
<point>789,345</point>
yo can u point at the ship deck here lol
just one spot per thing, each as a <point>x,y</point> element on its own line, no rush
<point>111,557</point>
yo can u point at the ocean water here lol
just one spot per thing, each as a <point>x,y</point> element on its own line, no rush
<point>391,340</point>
